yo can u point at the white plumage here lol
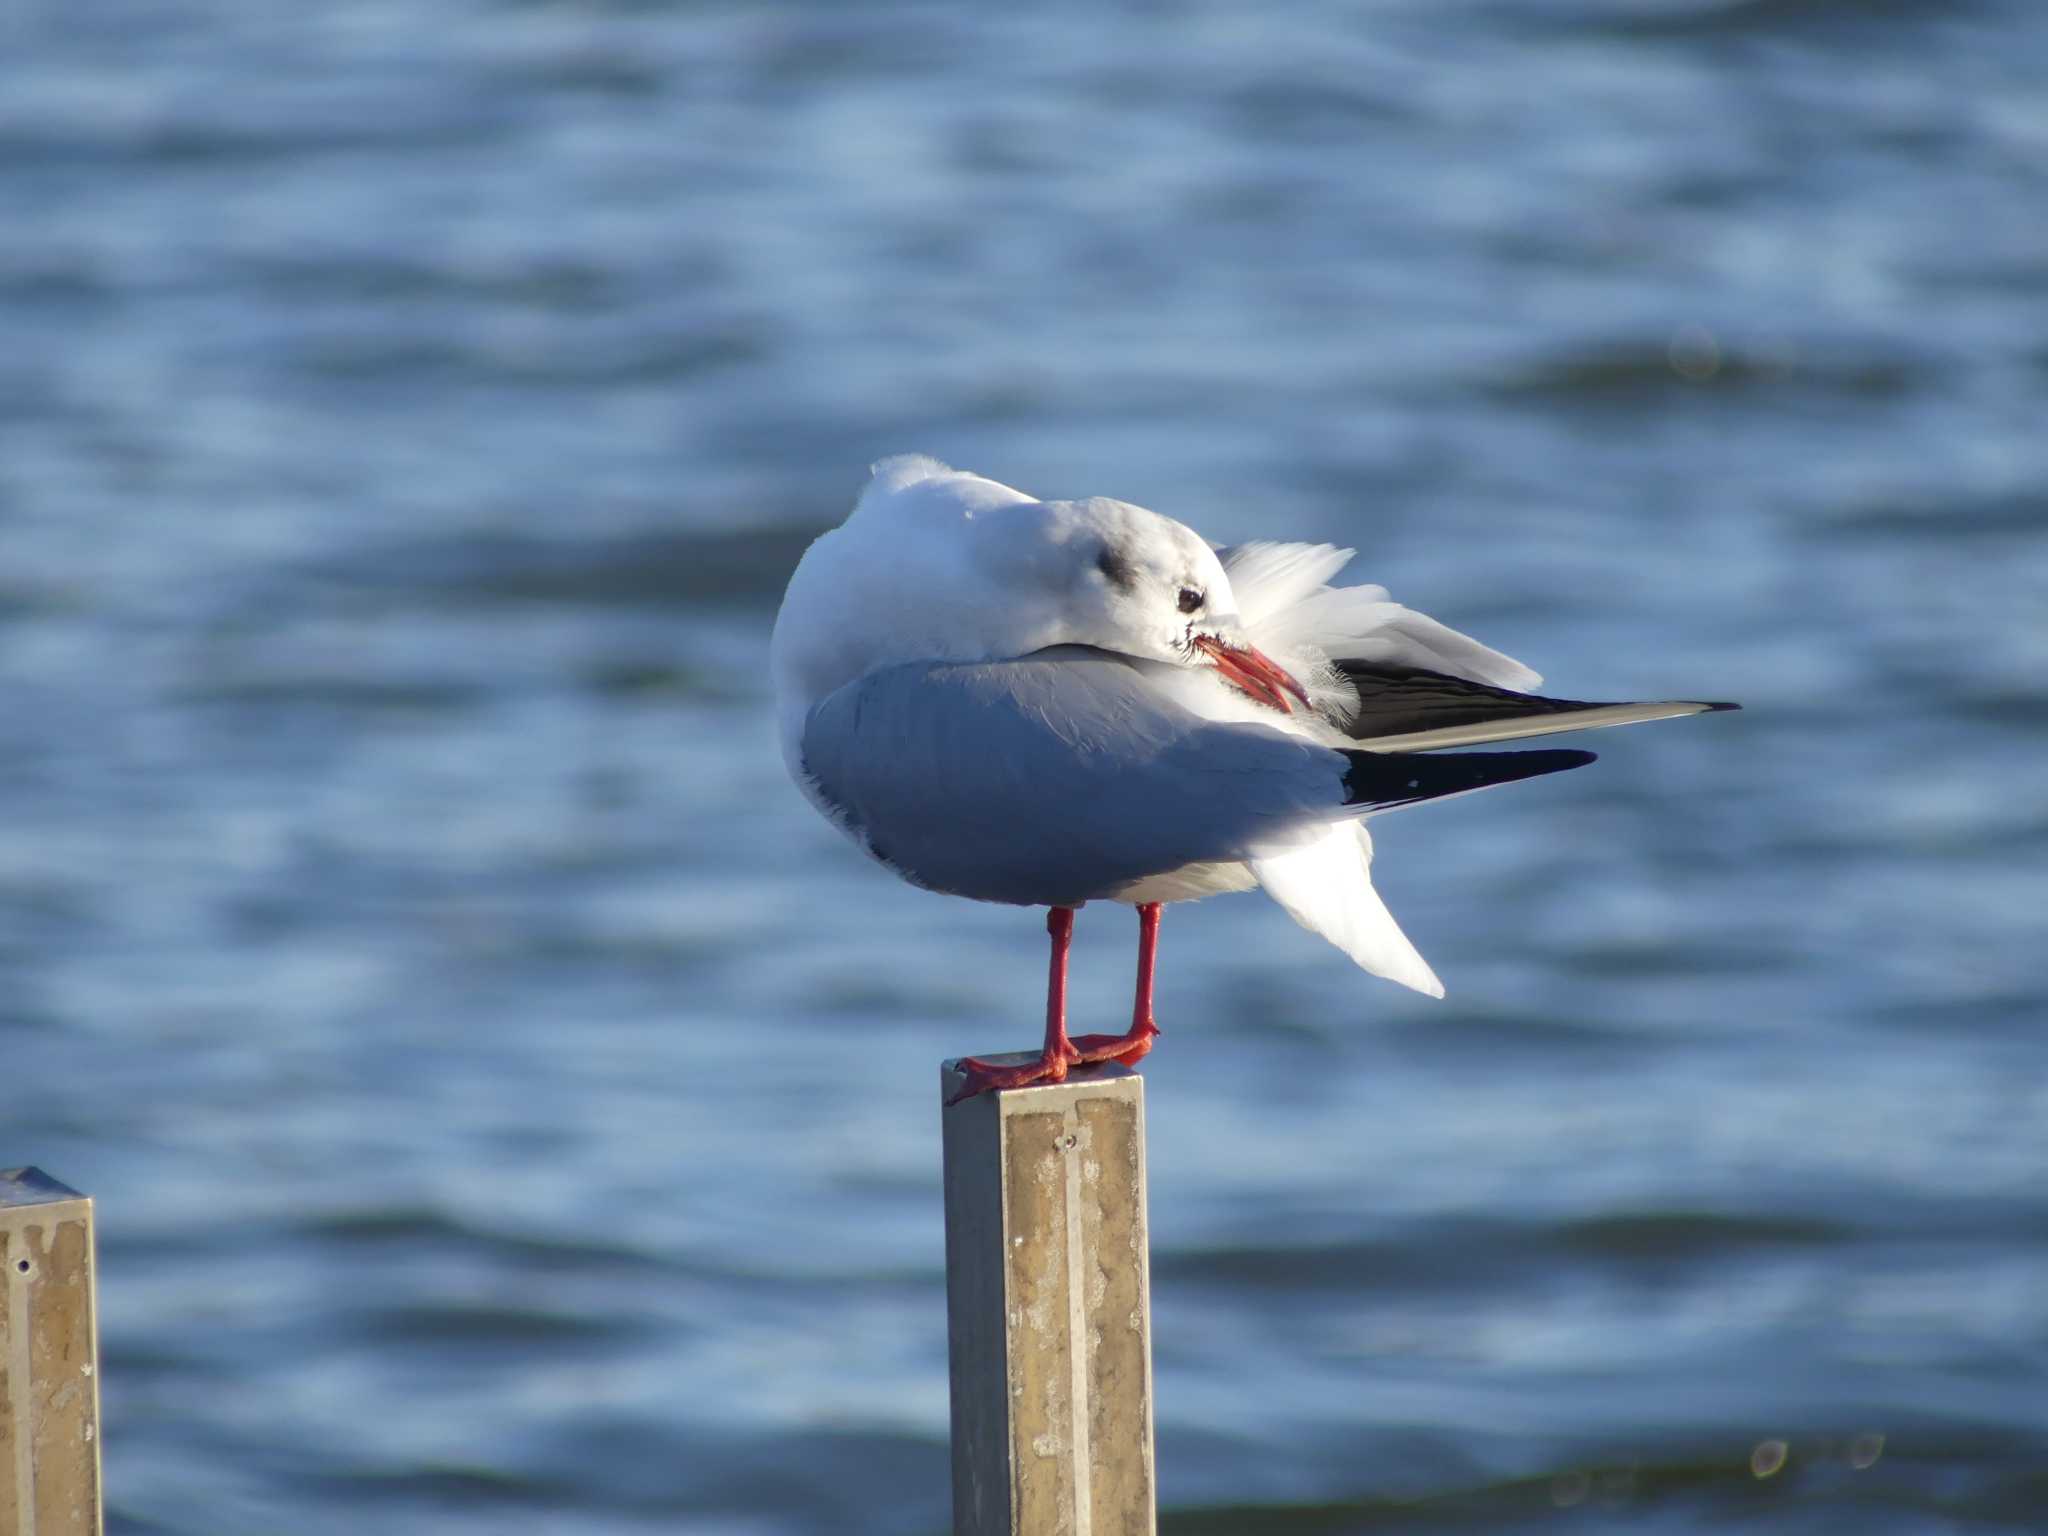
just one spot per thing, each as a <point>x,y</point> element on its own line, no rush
<point>1048,702</point>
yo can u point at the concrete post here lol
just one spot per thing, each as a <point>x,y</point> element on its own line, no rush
<point>1049,1307</point>
<point>49,1360</point>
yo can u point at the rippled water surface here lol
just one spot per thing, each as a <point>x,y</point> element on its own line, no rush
<point>511,1110</point>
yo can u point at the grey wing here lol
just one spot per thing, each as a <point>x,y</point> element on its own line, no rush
<point>1056,778</point>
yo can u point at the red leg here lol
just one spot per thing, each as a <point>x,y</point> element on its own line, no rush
<point>1130,1048</point>
<point>1059,922</point>
<point>1059,1053</point>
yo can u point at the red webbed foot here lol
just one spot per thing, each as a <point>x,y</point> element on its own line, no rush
<point>980,1076</point>
<point>1129,1049</point>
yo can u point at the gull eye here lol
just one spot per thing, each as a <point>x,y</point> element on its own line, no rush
<point>1191,598</point>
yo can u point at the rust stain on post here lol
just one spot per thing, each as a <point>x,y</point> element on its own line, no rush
<point>49,1360</point>
<point>1048,1306</point>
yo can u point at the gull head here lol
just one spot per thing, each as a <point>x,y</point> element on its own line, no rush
<point>1147,586</point>
<point>939,565</point>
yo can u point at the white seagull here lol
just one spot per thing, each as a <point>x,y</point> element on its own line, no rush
<point>1053,702</point>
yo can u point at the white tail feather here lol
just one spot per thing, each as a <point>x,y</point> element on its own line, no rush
<point>1326,886</point>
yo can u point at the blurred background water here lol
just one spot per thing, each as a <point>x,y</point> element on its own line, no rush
<point>510,1109</point>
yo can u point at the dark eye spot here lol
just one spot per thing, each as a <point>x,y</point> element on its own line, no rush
<point>1191,598</point>
<point>1116,569</point>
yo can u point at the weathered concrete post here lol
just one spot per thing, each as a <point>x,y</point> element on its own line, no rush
<point>1049,1308</point>
<point>49,1360</point>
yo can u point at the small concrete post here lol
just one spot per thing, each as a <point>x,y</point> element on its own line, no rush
<point>49,1360</point>
<point>1049,1307</point>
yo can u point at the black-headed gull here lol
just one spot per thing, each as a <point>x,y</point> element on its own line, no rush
<point>1053,702</point>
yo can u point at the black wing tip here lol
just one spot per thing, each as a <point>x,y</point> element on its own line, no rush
<point>1520,765</point>
<point>1552,759</point>
<point>1716,706</point>
<point>1389,779</point>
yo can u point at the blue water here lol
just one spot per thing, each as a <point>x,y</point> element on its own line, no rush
<point>511,1110</point>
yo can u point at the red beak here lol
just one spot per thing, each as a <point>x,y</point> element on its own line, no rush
<point>1254,672</point>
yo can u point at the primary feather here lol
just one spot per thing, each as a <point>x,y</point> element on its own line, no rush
<point>1397,679</point>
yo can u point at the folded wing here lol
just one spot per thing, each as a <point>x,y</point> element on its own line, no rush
<point>1068,775</point>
